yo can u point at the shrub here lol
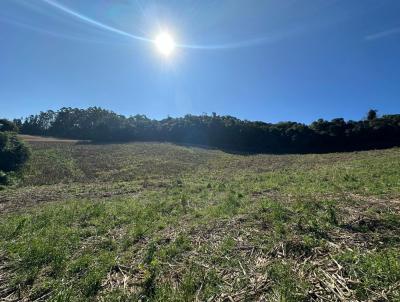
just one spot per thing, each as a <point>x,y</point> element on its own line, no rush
<point>4,179</point>
<point>13,152</point>
<point>6,125</point>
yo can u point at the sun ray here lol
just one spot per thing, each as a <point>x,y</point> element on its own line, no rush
<point>231,45</point>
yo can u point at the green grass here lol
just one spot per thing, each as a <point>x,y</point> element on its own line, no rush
<point>159,222</point>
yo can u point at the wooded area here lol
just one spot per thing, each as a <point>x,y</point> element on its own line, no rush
<point>225,132</point>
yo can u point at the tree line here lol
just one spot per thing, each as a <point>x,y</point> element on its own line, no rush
<point>227,132</point>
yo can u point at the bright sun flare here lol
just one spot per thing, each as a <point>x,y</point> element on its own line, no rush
<point>165,44</point>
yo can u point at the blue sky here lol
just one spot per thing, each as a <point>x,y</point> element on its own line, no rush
<point>270,60</point>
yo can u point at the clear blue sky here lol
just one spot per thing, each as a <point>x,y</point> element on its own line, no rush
<point>269,60</point>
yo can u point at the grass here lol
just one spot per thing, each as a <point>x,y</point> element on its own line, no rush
<point>160,222</point>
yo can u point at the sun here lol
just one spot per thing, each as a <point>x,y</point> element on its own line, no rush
<point>165,44</point>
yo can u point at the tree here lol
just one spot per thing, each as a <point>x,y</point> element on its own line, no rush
<point>13,154</point>
<point>372,114</point>
<point>226,132</point>
<point>6,125</point>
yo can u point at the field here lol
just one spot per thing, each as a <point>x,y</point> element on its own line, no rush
<point>161,222</point>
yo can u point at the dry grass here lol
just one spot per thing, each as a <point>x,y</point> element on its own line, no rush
<point>47,139</point>
<point>159,222</point>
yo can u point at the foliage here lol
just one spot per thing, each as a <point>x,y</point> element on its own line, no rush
<point>4,178</point>
<point>227,132</point>
<point>372,114</point>
<point>6,125</point>
<point>13,152</point>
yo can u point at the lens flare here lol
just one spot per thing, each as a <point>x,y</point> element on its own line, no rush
<point>165,44</point>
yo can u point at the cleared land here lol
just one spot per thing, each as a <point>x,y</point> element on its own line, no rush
<point>33,138</point>
<point>160,222</point>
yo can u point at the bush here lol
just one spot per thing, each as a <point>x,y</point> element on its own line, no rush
<point>6,125</point>
<point>13,152</point>
<point>4,179</point>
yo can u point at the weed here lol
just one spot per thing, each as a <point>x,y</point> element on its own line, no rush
<point>187,223</point>
<point>287,286</point>
<point>374,271</point>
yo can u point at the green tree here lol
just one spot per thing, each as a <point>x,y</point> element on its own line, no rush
<point>372,114</point>
<point>13,152</point>
<point>6,125</point>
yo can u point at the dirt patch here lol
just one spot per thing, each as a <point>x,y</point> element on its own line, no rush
<point>32,138</point>
<point>29,197</point>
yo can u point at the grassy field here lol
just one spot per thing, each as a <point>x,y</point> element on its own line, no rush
<point>160,222</point>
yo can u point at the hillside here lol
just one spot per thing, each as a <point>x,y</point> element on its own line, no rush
<point>162,222</point>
